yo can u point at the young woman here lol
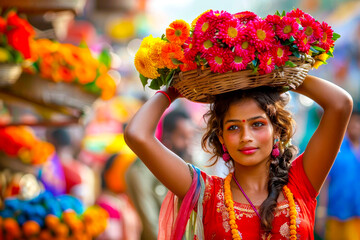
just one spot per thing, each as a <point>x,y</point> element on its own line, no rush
<point>268,194</point>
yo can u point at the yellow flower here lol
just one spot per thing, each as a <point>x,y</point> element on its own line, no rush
<point>317,64</point>
<point>4,55</point>
<point>144,65</point>
<point>155,53</point>
<point>147,42</point>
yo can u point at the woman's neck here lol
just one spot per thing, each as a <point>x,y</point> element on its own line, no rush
<point>254,182</point>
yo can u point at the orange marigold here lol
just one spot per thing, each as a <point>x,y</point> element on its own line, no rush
<point>178,31</point>
<point>170,54</point>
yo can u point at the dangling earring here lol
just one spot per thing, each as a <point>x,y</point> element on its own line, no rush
<point>275,152</point>
<point>226,155</point>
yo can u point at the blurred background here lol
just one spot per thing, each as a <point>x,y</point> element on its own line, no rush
<point>65,170</point>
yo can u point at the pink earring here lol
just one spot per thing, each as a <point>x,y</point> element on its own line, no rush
<point>275,152</point>
<point>226,155</point>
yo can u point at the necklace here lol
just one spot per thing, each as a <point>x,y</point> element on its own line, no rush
<point>229,203</point>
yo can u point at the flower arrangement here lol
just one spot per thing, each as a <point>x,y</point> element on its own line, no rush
<point>48,217</point>
<point>71,64</point>
<point>226,42</point>
<point>15,36</point>
<point>21,142</point>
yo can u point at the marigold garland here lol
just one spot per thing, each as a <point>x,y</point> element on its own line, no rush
<point>229,203</point>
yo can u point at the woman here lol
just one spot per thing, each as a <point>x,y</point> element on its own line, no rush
<point>252,130</point>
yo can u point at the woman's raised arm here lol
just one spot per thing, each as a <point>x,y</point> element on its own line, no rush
<point>324,145</point>
<point>171,170</point>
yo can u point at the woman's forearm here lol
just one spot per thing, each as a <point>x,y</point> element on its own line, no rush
<point>328,95</point>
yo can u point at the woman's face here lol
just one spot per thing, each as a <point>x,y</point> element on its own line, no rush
<point>248,133</point>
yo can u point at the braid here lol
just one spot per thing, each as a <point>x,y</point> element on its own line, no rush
<point>278,177</point>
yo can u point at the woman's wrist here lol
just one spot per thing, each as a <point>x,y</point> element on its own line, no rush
<point>170,93</point>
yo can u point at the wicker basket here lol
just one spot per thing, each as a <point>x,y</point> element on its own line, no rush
<point>201,85</point>
<point>9,74</point>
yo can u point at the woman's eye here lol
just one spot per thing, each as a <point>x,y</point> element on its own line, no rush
<point>258,124</point>
<point>233,127</point>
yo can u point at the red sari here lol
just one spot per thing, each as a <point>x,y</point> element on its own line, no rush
<point>216,218</point>
<point>211,219</point>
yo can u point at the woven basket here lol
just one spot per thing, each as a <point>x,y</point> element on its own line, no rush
<point>202,85</point>
<point>9,73</point>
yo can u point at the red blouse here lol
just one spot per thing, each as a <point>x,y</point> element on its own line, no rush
<point>216,217</point>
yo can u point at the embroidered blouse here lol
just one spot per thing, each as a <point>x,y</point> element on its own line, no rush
<point>216,218</point>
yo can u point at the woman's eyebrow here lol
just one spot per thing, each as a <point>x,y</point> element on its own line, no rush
<point>249,119</point>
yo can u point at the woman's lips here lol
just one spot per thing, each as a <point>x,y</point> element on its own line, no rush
<point>248,151</point>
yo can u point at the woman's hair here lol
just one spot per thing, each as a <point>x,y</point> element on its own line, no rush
<point>273,103</point>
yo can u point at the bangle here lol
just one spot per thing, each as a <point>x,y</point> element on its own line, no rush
<point>168,97</point>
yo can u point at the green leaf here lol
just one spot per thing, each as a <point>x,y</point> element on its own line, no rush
<point>143,79</point>
<point>277,13</point>
<point>283,13</point>
<point>176,61</point>
<point>105,57</point>
<point>155,84</point>
<point>169,77</point>
<point>287,42</point>
<point>330,54</point>
<point>335,36</point>
<point>292,39</point>
<point>314,50</point>
<point>319,49</point>
<point>290,64</point>
<point>296,54</point>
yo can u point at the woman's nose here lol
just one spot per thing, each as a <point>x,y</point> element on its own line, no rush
<point>246,135</point>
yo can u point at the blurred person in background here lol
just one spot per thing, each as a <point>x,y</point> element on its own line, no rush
<point>79,178</point>
<point>343,208</point>
<point>124,222</point>
<point>146,191</point>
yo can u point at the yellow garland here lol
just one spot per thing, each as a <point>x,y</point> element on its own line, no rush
<point>229,203</point>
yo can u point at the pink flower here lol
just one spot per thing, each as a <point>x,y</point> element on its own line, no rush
<point>281,54</point>
<point>190,49</point>
<point>219,59</point>
<point>302,42</point>
<point>246,16</point>
<point>240,59</point>
<point>245,48</point>
<point>205,45</point>
<point>204,26</point>
<point>273,20</point>
<point>312,28</point>
<point>262,34</point>
<point>286,28</point>
<point>230,31</point>
<point>267,63</point>
<point>326,41</point>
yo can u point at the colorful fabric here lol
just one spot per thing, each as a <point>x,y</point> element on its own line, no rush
<point>344,183</point>
<point>344,230</point>
<point>215,218</point>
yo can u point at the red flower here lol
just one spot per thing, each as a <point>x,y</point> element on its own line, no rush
<point>246,16</point>
<point>302,42</point>
<point>219,59</point>
<point>187,65</point>
<point>262,34</point>
<point>286,28</point>
<point>18,38</point>
<point>15,21</point>
<point>230,31</point>
<point>190,49</point>
<point>326,41</point>
<point>240,59</point>
<point>312,28</point>
<point>273,20</point>
<point>2,25</point>
<point>267,63</point>
<point>281,54</point>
